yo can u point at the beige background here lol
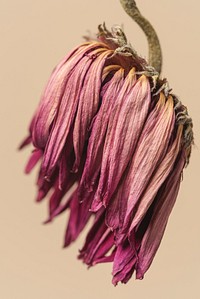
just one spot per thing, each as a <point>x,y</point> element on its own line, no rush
<point>35,35</point>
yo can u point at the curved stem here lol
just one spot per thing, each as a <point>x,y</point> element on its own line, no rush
<point>155,53</point>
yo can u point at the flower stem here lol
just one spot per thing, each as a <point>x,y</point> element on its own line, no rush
<point>155,53</point>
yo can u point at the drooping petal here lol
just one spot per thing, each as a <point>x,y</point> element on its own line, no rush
<point>126,273</point>
<point>164,203</point>
<point>66,161</point>
<point>124,262</point>
<point>54,92</point>
<point>151,148</point>
<point>98,133</point>
<point>125,129</point>
<point>88,105</point>
<point>105,258</point>
<point>99,241</point>
<point>79,216</point>
<point>44,186</point>
<point>112,217</point>
<point>66,113</point>
<point>33,160</point>
<point>124,254</point>
<point>55,200</point>
<point>61,204</point>
<point>161,173</point>
<point>112,210</point>
<point>105,250</point>
<point>113,142</point>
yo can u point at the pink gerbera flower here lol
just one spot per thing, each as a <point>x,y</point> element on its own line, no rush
<point>112,141</point>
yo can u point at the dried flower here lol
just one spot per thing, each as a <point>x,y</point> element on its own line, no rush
<point>112,142</point>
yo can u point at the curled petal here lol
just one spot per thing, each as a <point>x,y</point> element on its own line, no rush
<point>126,273</point>
<point>88,105</point>
<point>151,148</point>
<point>112,210</point>
<point>164,203</point>
<point>57,197</point>
<point>79,216</point>
<point>66,114</point>
<point>160,175</point>
<point>44,186</point>
<point>113,141</point>
<point>99,128</point>
<point>54,92</point>
<point>124,130</point>
<point>99,241</point>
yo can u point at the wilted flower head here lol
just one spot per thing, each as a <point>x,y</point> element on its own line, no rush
<point>112,142</point>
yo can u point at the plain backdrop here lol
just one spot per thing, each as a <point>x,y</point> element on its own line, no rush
<point>34,36</point>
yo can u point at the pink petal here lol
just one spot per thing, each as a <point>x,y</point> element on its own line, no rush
<point>96,235</point>
<point>103,247</point>
<point>112,210</point>
<point>88,105</point>
<point>54,92</point>
<point>66,114</point>
<point>164,203</point>
<point>25,142</point>
<point>124,262</point>
<point>59,207</point>
<point>44,186</point>
<point>55,201</point>
<point>125,274</point>
<point>33,160</point>
<point>124,254</point>
<point>79,216</point>
<point>97,137</point>
<point>104,259</point>
<point>151,148</point>
<point>66,162</point>
<point>158,178</point>
<point>125,129</point>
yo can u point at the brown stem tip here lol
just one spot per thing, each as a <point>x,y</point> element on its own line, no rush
<point>155,53</point>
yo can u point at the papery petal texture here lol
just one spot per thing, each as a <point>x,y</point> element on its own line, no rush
<point>111,141</point>
<point>99,131</point>
<point>150,150</point>
<point>130,113</point>
<point>163,205</point>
